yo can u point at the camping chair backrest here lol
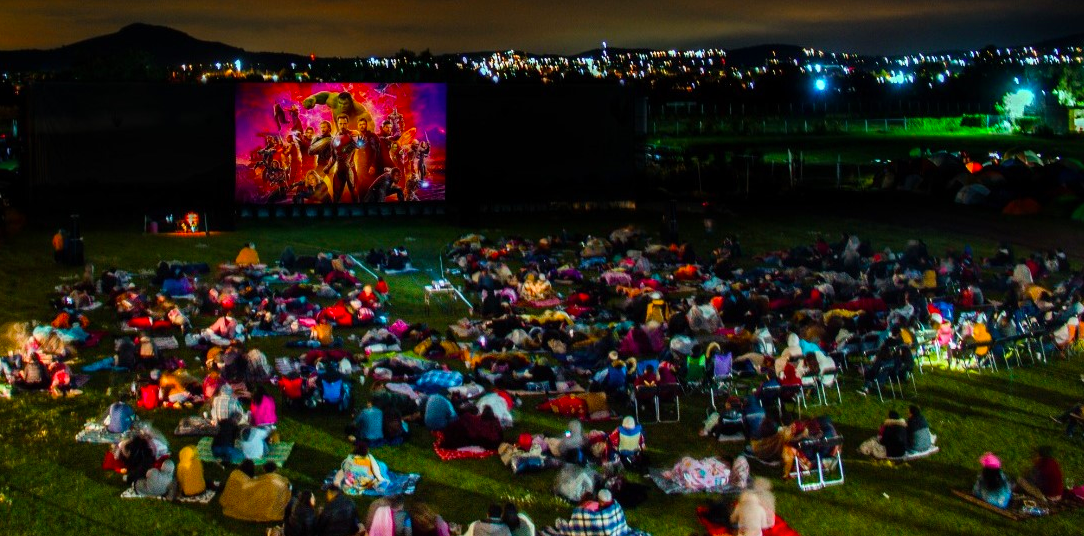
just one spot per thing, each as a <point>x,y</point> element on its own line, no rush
<point>695,368</point>
<point>332,391</point>
<point>723,365</point>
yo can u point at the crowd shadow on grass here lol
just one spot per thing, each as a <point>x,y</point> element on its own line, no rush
<point>1028,391</point>
<point>943,502</point>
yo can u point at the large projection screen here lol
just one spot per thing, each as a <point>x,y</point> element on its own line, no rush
<point>340,143</point>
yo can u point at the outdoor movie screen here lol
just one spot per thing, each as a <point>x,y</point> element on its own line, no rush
<point>340,143</point>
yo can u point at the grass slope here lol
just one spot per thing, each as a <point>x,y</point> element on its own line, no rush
<point>51,485</point>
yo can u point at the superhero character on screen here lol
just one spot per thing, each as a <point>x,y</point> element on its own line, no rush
<point>341,169</point>
<point>339,103</point>
<point>313,190</point>
<point>366,157</point>
<point>385,185</point>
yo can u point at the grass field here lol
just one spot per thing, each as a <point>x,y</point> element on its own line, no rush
<point>50,484</point>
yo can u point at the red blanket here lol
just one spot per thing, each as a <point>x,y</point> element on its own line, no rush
<point>779,529</point>
<point>457,454</point>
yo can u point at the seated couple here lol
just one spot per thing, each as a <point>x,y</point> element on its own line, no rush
<point>900,438</point>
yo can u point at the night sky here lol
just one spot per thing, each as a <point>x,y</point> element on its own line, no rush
<point>362,28</point>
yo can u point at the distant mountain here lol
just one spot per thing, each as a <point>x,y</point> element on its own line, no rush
<point>158,45</point>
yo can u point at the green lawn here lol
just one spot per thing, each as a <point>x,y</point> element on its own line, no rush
<point>51,485</point>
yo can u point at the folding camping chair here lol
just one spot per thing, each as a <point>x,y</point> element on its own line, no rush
<point>825,464</point>
<point>827,380</point>
<point>792,393</point>
<point>722,377</point>
<point>905,368</point>
<point>646,396</point>
<point>667,393</point>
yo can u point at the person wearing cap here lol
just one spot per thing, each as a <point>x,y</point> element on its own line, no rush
<point>627,441</point>
<point>992,486</point>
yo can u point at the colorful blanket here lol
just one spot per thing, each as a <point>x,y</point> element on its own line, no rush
<point>195,425</point>
<point>202,498</point>
<point>563,387</point>
<point>543,304</point>
<point>780,528</point>
<point>398,484</point>
<point>95,432</point>
<point>276,452</point>
<point>464,453</point>
<point>694,476</point>
<point>166,343</point>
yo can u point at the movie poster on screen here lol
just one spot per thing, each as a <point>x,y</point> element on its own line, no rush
<point>325,143</point>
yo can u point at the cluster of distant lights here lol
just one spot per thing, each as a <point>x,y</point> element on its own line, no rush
<point>706,62</point>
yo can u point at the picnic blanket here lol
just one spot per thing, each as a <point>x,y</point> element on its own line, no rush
<point>276,452</point>
<point>166,343</point>
<point>780,528</point>
<point>398,484</point>
<point>540,388</point>
<point>1021,506</point>
<point>543,304</point>
<point>195,425</point>
<point>464,453</point>
<point>202,498</point>
<point>693,476</point>
<point>95,432</point>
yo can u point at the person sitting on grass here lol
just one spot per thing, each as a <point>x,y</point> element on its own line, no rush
<point>1072,418</point>
<point>1044,481</point>
<point>992,486</point>
<point>254,442</point>
<point>369,425</point>
<point>247,256</point>
<point>891,440</point>
<point>226,406</point>
<point>249,497</point>
<point>158,481</point>
<point>264,413</point>
<point>517,522</point>
<point>340,516</point>
<point>439,412</point>
<point>919,437</point>
<point>223,446</point>
<point>361,472</point>
<point>595,518</point>
<point>301,515</point>
<point>627,441</point>
<point>492,525</point>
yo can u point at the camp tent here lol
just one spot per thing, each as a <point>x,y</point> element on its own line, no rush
<point>1022,207</point>
<point>972,194</point>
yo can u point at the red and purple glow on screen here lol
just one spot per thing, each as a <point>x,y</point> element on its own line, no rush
<point>340,143</point>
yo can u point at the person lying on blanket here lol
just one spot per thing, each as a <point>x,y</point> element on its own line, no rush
<point>992,486</point>
<point>361,472</point>
<point>602,518</point>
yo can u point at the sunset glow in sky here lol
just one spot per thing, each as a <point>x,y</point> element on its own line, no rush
<point>360,28</point>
